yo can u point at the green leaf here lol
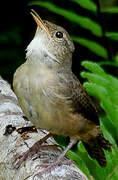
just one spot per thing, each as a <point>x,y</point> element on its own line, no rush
<point>96,69</point>
<point>110,10</point>
<point>87,4</point>
<point>93,67</point>
<point>112,35</point>
<point>110,108</point>
<point>62,140</point>
<point>104,87</point>
<point>92,46</point>
<point>96,79</point>
<point>104,82</point>
<point>83,21</point>
<point>108,63</point>
<point>116,58</point>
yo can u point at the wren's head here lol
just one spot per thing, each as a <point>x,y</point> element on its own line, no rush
<point>51,44</point>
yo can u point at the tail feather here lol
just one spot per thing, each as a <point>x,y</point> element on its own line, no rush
<point>104,143</point>
<point>95,149</point>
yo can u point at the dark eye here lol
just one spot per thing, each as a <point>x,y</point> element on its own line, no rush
<point>59,34</point>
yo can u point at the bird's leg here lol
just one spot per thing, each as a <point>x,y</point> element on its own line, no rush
<point>59,159</point>
<point>31,151</point>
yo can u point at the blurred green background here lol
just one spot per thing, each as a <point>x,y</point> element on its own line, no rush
<point>17,29</point>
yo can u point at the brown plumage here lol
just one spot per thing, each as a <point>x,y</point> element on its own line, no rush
<point>50,94</point>
<point>95,149</point>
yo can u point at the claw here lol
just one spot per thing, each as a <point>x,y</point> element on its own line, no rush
<point>30,152</point>
<point>52,166</point>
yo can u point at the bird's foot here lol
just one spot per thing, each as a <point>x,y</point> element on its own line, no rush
<point>49,167</point>
<point>30,152</point>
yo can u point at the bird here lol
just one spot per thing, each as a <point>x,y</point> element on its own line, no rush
<point>53,98</point>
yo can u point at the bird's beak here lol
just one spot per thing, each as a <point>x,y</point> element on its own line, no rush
<point>40,22</point>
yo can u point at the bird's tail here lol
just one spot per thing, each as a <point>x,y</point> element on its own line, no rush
<point>95,149</point>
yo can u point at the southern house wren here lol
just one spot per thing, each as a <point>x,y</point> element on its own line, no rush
<point>51,96</point>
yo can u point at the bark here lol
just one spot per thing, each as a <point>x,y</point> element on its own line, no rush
<point>13,142</point>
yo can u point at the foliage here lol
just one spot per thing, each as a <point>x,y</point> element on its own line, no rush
<point>112,35</point>
<point>110,10</point>
<point>92,46</point>
<point>90,5</point>
<point>104,87</point>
